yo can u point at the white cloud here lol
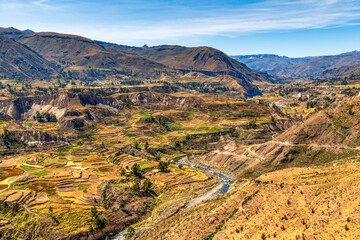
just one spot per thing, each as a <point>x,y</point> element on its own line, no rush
<point>267,16</point>
<point>27,4</point>
<point>41,3</point>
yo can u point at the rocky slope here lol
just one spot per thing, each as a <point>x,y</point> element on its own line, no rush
<point>71,110</point>
<point>19,62</point>
<point>325,136</point>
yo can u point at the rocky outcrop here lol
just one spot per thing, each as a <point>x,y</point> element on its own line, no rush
<point>153,98</point>
<point>39,138</point>
<point>64,106</point>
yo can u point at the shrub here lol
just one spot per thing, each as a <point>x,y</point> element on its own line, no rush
<point>130,231</point>
<point>147,185</point>
<point>252,124</point>
<point>136,187</point>
<point>163,166</point>
<point>100,222</point>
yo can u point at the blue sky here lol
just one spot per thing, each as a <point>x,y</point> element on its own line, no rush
<point>284,27</point>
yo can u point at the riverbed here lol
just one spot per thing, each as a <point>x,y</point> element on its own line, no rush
<point>225,182</point>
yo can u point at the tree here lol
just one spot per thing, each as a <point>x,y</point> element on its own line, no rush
<point>147,185</point>
<point>146,146</point>
<point>272,119</point>
<point>136,187</point>
<point>136,145</point>
<point>78,123</point>
<point>39,117</point>
<point>99,221</point>
<point>177,146</point>
<point>136,170</point>
<point>163,166</point>
<point>130,231</point>
<point>252,124</point>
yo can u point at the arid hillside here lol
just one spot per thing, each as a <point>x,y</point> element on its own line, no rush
<point>78,53</point>
<point>342,71</point>
<point>19,62</point>
<point>202,59</point>
<point>296,203</point>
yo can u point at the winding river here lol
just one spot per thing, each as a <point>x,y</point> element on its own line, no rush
<point>225,182</point>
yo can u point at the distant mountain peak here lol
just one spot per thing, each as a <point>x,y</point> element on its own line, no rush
<point>29,31</point>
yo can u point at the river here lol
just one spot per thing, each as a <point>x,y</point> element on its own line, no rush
<point>225,182</point>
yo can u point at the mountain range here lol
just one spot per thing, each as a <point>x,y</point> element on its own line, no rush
<point>299,67</point>
<point>77,53</point>
<point>264,62</point>
<point>47,54</point>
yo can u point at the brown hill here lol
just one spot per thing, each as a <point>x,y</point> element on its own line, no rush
<point>79,57</point>
<point>18,61</point>
<point>341,71</point>
<point>206,60</point>
<point>71,50</point>
<point>12,33</point>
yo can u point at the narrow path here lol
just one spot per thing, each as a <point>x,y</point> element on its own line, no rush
<point>314,145</point>
<point>254,153</point>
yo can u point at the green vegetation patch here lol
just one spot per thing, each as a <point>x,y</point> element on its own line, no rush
<point>174,125</point>
<point>42,173</point>
<point>203,125</point>
<point>144,115</point>
<point>57,159</point>
<point>83,188</point>
<point>33,183</point>
<point>69,149</point>
<point>145,166</point>
<point>26,168</point>
<point>214,129</point>
<point>196,131</point>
